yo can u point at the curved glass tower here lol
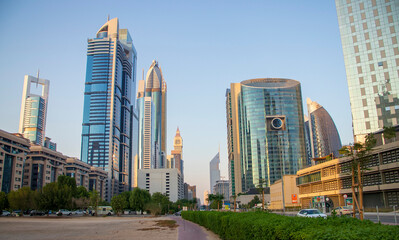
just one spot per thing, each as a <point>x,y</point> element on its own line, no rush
<point>266,125</point>
<point>151,104</point>
<point>323,134</point>
<point>110,81</point>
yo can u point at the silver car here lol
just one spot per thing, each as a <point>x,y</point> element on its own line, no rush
<point>313,213</point>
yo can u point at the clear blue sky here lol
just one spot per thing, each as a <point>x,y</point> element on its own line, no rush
<point>201,46</point>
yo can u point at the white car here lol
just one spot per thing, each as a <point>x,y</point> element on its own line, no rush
<point>5,213</point>
<point>344,210</point>
<point>64,212</point>
<point>313,213</point>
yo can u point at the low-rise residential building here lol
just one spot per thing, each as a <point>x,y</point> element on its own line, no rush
<point>97,178</point>
<point>13,151</point>
<point>43,166</point>
<point>328,183</point>
<point>291,192</point>
<point>164,180</point>
<point>78,170</point>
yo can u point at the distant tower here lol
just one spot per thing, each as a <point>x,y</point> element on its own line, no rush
<point>32,122</point>
<point>323,134</point>
<point>151,105</point>
<point>177,152</point>
<point>214,171</point>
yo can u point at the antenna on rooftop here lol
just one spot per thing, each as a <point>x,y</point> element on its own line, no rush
<point>108,18</point>
<point>37,82</point>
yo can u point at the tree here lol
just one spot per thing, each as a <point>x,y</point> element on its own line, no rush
<point>215,199</point>
<point>359,153</point>
<point>127,195</point>
<point>139,199</point>
<point>119,203</point>
<point>81,192</point>
<point>161,200</point>
<point>94,199</point>
<point>389,133</point>
<point>261,189</point>
<point>3,201</point>
<point>70,182</point>
<point>254,201</point>
<point>22,199</point>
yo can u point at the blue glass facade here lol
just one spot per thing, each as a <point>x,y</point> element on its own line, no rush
<point>270,128</point>
<point>110,80</point>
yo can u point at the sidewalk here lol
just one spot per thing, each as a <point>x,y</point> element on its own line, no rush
<point>192,231</point>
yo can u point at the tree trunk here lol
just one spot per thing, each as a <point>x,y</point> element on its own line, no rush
<point>263,200</point>
<point>360,187</point>
<point>235,204</point>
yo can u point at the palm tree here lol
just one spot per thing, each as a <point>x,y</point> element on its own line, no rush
<point>262,182</point>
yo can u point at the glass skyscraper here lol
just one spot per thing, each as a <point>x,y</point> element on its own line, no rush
<point>369,34</point>
<point>107,112</point>
<point>214,171</point>
<point>323,134</point>
<point>32,122</point>
<point>151,106</point>
<point>265,125</point>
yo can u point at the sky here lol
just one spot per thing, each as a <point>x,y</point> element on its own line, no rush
<point>201,46</point>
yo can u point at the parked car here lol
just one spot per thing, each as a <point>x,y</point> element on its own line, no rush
<point>36,213</point>
<point>79,212</point>
<point>65,212</point>
<point>5,213</point>
<point>313,213</point>
<point>344,210</point>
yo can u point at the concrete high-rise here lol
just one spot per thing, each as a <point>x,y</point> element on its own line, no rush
<point>323,134</point>
<point>151,106</point>
<point>108,101</point>
<point>265,126</point>
<point>214,171</point>
<point>369,35</point>
<point>32,122</point>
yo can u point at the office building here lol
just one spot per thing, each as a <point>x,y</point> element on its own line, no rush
<point>32,122</point>
<point>166,181</point>
<point>369,35</point>
<point>13,151</point>
<point>151,106</point>
<point>43,166</point>
<point>222,187</point>
<point>214,171</point>
<point>329,181</point>
<point>49,144</point>
<point>97,181</point>
<point>265,125</point>
<point>323,134</point>
<point>110,82</point>
<point>78,170</point>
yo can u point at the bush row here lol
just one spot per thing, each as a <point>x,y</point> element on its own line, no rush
<point>262,225</point>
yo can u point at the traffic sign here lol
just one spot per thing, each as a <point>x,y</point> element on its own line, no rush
<point>345,196</point>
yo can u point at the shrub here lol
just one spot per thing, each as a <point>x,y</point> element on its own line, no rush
<point>261,225</point>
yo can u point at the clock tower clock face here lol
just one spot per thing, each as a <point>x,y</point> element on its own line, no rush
<point>177,141</point>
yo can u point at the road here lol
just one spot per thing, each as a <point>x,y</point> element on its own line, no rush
<point>385,218</point>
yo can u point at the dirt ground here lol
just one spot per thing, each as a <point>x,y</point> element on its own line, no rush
<point>71,228</point>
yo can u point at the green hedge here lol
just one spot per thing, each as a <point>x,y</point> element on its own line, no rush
<point>261,225</point>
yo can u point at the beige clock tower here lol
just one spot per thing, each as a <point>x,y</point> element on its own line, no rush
<point>178,142</point>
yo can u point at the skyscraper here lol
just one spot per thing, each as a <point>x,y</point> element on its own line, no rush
<point>32,122</point>
<point>369,35</point>
<point>110,81</point>
<point>214,171</point>
<point>323,134</point>
<point>265,125</point>
<point>151,105</point>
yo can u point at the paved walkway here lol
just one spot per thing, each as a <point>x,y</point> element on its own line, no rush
<point>192,231</point>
